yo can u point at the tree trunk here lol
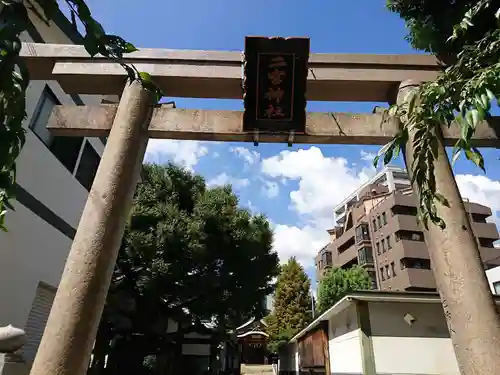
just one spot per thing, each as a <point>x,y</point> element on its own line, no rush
<point>468,305</point>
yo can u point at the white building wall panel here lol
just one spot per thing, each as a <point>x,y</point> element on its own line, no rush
<point>414,355</point>
<point>31,251</point>
<point>345,353</point>
<point>423,347</point>
<point>493,276</point>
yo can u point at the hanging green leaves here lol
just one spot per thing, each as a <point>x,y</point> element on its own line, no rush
<point>460,97</point>
<point>14,77</point>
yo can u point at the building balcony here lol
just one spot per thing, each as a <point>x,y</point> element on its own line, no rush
<point>490,255</point>
<point>476,208</point>
<point>485,230</point>
<point>419,278</point>
<point>407,222</point>
<point>346,257</point>
<point>408,249</point>
<point>409,278</point>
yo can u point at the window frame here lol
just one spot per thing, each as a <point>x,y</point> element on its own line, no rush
<point>495,285</point>
<point>69,161</point>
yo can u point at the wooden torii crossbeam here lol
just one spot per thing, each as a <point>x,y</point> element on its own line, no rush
<point>210,125</point>
<point>216,74</point>
<point>71,329</point>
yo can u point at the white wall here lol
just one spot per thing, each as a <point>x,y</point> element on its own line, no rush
<point>31,251</point>
<point>493,276</point>
<point>345,343</point>
<point>423,348</point>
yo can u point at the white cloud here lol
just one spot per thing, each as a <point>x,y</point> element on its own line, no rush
<point>215,155</point>
<point>323,182</point>
<point>302,243</point>
<point>224,179</point>
<point>270,189</point>
<point>250,157</point>
<point>250,207</point>
<point>367,156</point>
<point>183,153</point>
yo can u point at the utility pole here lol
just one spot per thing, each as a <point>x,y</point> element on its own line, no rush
<point>468,305</point>
<point>313,304</point>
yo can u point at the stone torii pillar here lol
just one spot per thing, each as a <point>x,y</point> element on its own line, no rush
<point>468,305</point>
<point>72,326</point>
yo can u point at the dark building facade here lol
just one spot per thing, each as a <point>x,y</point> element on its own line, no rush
<point>378,230</point>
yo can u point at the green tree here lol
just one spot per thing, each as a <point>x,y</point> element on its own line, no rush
<point>338,282</point>
<point>14,76</point>
<point>431,23</point>
<point>292,305</point>
<point>190,254</point>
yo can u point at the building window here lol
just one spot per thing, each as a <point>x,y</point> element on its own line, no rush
<point>373,277</point>
<point>374,224</point>
<point>88,166</point>
<point>378,248</point>
<point>379,222</point>
<point>382,275</point>
<point>326,258</point>
<point>417,236</point>
<point>409,235</point>
<point>383,245</point>
<point>404,210</point>
<point>365,256</point>
<point>65,149</point>
<point>388,271</point>
<point>393,269</point>
<point>417,263</point>
<point>388,240</point>
<point>362,233</point>
<point>384,218</point>
<point>486,242</point>
<point>496,286</point>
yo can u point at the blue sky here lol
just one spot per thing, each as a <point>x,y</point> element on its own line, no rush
<point>295,187</point>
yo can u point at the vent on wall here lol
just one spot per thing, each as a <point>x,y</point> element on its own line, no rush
<point>37,320</point>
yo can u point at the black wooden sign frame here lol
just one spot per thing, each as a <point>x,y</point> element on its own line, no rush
<point>275,80</point>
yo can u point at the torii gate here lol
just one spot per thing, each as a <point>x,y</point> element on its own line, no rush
<point>72,325</point>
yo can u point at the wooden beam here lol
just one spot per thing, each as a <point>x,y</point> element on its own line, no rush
<point>218,74</point>
<point>186,124</point>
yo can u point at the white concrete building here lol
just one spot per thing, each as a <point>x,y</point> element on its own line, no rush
<point>54,176</point>
<point>375,333</point>
<point>493,276</point>
<point>390,176</point>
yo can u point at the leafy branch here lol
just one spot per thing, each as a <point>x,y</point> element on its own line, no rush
<point>14,77</point>
<point>461,97</point>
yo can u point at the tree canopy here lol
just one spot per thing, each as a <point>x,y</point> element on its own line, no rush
<point>466,36</point>
<point>190,254</point>
<point>431,23</point>
<point>338,282</point>
<point>292,305</point>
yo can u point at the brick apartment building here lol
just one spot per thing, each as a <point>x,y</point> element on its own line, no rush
<point>376,228</point>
